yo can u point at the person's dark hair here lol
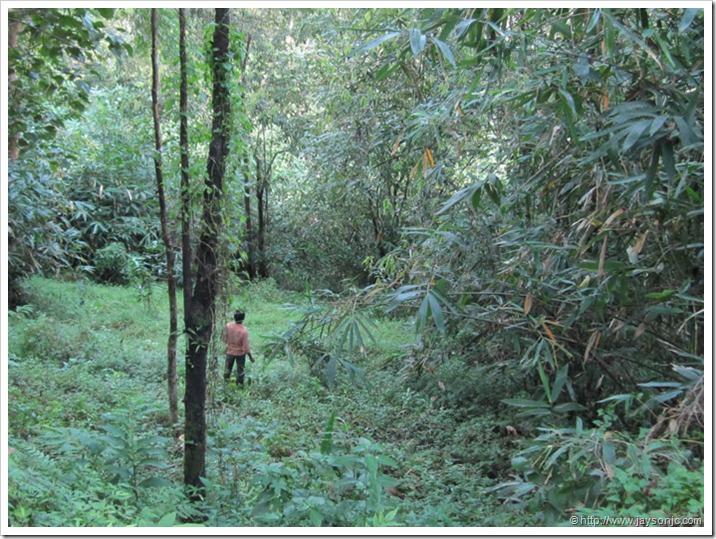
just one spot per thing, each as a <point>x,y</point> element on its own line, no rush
<point>239,316</point>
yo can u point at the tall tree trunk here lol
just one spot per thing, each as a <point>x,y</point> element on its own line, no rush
<point>184,149</point>
<point>13,146</point>
<point>261,228</point>
<point>166,236</point>
<point>200,320</point>
<point>249,230</point>
<point>250,265</point>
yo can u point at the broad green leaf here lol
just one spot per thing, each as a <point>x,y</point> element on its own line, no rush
<point>107,13</point>
<point>609,453</point>
<point>157,482</point>
<point>167,520</point>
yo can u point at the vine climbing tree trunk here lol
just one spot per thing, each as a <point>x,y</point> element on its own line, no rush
<point>184,149</point>
<point>166,235</point>
<point>200,318</point>
<point>13,32</point>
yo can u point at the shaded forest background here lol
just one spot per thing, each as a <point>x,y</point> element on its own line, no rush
<point>524,187</point>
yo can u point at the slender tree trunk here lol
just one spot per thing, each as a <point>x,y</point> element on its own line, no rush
<point>200,319</point>
<point>249,231</point>
<point>166,236</point>
<point>184,149</point>
<point>260,238</point>
<point>13,33</point>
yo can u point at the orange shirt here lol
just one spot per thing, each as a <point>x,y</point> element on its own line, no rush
<point>236,337</point>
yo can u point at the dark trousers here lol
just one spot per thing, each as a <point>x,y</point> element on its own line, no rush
<point>240,362</point>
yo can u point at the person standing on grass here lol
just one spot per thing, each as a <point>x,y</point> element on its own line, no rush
<point>236,337</point>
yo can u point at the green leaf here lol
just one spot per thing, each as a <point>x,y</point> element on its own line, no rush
<point>462,27</point>
<point>445,50</point>
<point>656,124</point>
<point>559,382</point>
<point>688,18</point>
<point>594,20</point>
<point>459,196</point>
<point>667,157</point>
<point>155,482</point>
<point>569,100</point>
<point>167,520</point>
<point>437,312</point>
<point>634,134</point>
<point>525,403</point>
<point>327,441</point>
<point>661,296</point>
<point>561,451</point>
<point>631,36</point>
<point>331,368</point>
<point>105,12</point>
<point>609,453</point>
<point>422,317</point>
<point>417,41</point>
<point>569,407</point>
<point>545,382</point>
<point>373,44</point>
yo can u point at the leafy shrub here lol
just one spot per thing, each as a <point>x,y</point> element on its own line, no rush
<point>677,492</point>
<point>594,470</point>
<point>112,264</point>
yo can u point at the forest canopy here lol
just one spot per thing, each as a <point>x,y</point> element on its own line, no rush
<point>518,192</point>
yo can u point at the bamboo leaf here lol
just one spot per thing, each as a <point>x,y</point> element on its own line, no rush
<point>688,18</point>
<point>445,50</point>
<point>559,382</point>
<point>525,403</point>
<point>417,41</point>
<point>594,20</point>
<point>634,134</point>
<point>437,312</point>
<point>545,382</point>
<point>374,43</point>
<point>527,307</point>
<point>631,36</point>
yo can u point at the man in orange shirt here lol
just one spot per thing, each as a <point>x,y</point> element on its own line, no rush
<point>236,337</point>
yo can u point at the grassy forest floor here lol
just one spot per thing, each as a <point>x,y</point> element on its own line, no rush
<point>92,444</point>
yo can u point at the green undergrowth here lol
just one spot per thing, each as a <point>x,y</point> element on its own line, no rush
<point>88,417</point>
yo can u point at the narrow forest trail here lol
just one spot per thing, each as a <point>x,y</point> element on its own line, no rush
<point>439,462</point>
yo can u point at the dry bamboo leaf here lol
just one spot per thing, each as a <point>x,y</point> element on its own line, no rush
<point>611,218</point>
<point>528,304</point>
<point>602,259</point>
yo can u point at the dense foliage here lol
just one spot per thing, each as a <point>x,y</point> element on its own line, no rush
<point>524,186</point>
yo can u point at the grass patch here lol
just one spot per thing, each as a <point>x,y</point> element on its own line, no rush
<point>87,394</point>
